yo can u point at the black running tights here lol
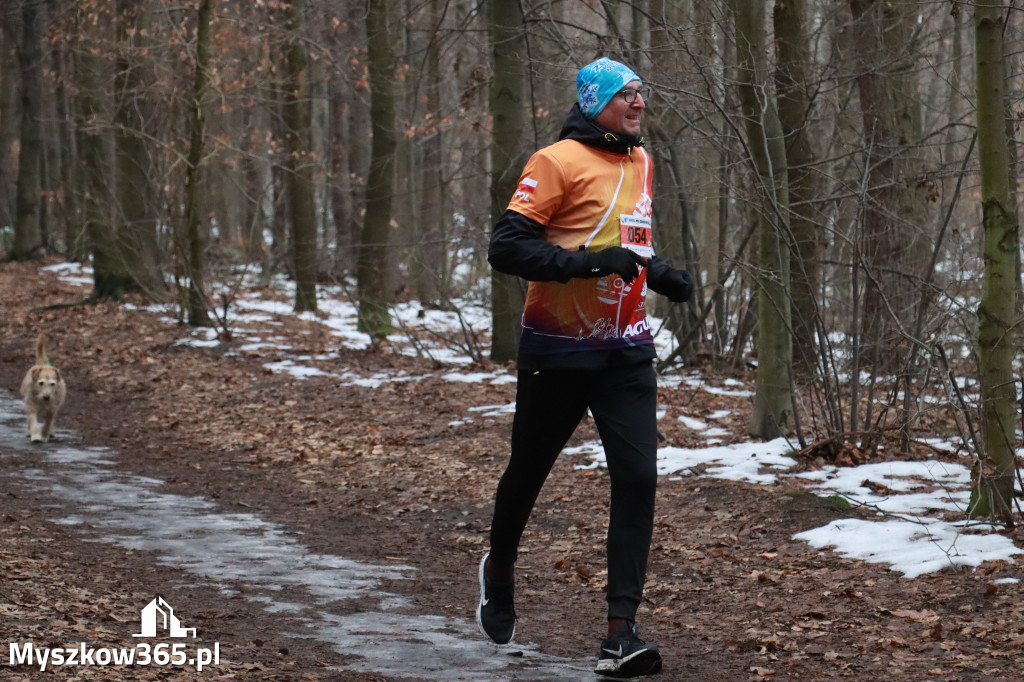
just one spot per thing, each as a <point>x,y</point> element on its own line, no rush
<point>549,406</point>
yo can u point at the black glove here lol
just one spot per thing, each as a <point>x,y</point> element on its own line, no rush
<point>614,259</point>
<point>674,284</point>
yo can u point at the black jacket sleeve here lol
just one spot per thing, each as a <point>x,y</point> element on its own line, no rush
<point>518,248</point>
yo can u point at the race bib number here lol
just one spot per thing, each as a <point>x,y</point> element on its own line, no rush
<point>635,234</point>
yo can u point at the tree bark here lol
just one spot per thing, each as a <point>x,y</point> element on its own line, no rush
<point>135,168</point>
<point>27,234</point>
<point>341,187</point>
<point>793,87</point>
<point>10,115</point>
<point>893,249</point>
<point>372,264</point>
<point>197,309</point>
<point>674,239</point>
<point>299,144</point>
<point>508,43</point>
<point>773,394</point>
<point>95,143</point>
<point>993,492</point>
<point>430,262</point>
<point>359,149</point>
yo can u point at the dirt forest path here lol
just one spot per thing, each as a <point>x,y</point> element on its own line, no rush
<point>365,510</point>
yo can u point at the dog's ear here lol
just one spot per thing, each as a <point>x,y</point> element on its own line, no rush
<point>35,373</point>
<point>56,374</point>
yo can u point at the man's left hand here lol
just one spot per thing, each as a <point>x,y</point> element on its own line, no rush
<point>674,284</point>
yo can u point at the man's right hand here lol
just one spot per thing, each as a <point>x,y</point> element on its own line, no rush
<point>617,260</point>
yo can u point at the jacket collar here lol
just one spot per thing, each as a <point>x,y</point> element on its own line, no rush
<point>582,129</point>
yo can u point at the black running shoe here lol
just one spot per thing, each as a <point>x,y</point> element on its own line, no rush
<point>626,655</point>
<point>496,613</point>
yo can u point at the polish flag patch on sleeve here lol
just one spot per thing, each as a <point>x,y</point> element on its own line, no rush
<point>526,187</point>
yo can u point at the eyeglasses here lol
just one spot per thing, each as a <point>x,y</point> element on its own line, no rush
<point>629,94</point>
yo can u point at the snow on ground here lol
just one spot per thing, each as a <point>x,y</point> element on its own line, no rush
<point>911,499</point>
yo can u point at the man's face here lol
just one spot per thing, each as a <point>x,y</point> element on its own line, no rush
<point>620,116</point>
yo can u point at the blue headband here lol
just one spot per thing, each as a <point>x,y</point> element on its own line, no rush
<point>597,83</point>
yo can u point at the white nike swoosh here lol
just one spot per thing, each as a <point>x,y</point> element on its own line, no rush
<point>613,652</point>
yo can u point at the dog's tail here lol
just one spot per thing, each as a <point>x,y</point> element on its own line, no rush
<point>41,358</point>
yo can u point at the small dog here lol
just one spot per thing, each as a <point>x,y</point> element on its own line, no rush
<point>44,391</point>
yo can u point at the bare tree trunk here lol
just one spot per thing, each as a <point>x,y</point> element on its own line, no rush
<point>135,168</point>
<point>27,233</point>
<point>299,143</point>
<point>341,188</point>
<point>198,315</point>
<point>507,94</point>
<point>674,239</point>
<point>372,263</point>
<point>793,83</point>
<point>75,240</point>
<point>993,492</point>
<point>52,223</point>
<point>280,221</point>
<point>773,397</point>
<point>893,248</point>
<point>430,260</point>
<point>10,115</point>
<point>254,178</point>
<point>359,150</point>
<point>96,144</point>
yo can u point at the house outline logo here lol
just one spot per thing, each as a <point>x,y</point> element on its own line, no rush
<point>159,614</point>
